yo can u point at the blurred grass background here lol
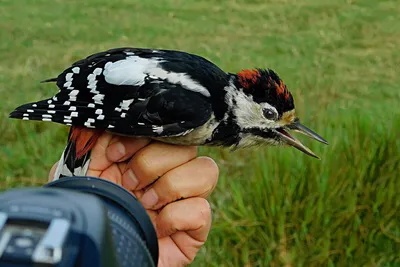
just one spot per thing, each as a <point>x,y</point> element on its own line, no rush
<point>272,207</point>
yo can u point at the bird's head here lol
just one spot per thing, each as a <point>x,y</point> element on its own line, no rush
<point>264,111</point>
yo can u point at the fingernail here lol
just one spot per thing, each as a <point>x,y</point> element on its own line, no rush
<point>131,182</point>
<point>117,151</point>
<point>149,198</point>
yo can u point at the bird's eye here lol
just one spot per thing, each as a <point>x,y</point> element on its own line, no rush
<point>269,114</point>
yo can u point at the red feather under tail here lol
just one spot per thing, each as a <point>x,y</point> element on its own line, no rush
<point>76,156</point>
<point>84,139</point>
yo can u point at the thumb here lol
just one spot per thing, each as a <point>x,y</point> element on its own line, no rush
<point>192,215</point>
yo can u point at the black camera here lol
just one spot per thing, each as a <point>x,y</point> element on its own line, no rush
<point>75,221</point>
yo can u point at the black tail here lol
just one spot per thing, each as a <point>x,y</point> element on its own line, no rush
<point>62,111</point>
<point>69,164</point>
<point>49,80</point>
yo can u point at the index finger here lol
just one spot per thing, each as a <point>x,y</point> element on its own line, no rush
<point>192,215</point>
<point>107,151</point>
<point>112,148</point>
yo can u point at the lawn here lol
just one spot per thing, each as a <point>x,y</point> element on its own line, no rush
<point>272,206</point>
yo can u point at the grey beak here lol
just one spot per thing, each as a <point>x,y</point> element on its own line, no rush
<point>290,140</point>
<point>300,128</point>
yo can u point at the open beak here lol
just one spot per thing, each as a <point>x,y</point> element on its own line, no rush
<point>290,140</point>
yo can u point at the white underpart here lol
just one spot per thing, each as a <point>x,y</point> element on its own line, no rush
<point>196,136</point>
<point>134,69</point>
<point>183,133</point>
<point>249,140</point>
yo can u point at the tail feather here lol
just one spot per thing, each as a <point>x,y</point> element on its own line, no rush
<point>67,167</point>
<point>75,159</point>
<point>49,80</point>
<point>60,111</point>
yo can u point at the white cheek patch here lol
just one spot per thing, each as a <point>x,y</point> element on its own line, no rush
<point>248,113</point>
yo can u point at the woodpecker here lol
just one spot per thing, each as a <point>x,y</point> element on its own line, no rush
<point>170,96</point>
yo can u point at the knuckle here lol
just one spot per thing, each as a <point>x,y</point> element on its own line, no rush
<point>167,191</point>
<point>170,184</point>
<point>169,214</point>
<point>143,165</point>
<point>185,152</point>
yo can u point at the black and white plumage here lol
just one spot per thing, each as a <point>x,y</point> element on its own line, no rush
<point>172,96</point>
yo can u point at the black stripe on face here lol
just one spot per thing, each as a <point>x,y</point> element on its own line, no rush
<point>264,133</point>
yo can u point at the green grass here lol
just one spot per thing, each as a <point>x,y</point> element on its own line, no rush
<point>272,207</point>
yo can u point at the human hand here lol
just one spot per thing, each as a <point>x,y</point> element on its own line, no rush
<point>170,182</point>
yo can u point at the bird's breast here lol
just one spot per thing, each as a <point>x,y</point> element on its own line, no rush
<point>192,137</point>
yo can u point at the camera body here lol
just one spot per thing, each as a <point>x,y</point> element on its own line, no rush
<point>75,221</point>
